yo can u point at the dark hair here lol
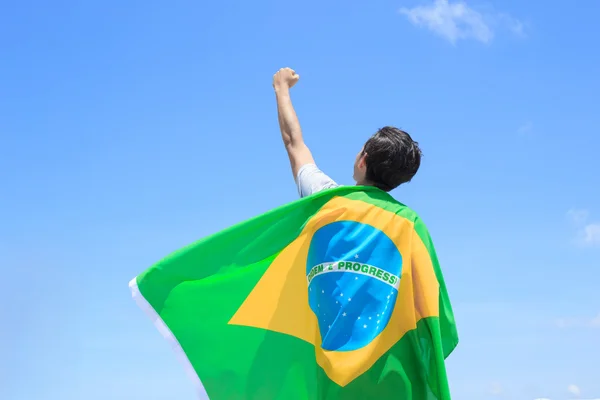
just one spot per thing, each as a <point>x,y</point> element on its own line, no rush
<point>393,158</point>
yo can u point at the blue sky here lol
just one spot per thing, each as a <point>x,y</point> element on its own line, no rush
<point>129,129</point>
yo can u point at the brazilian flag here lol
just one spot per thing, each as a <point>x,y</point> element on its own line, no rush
<point>335,296</point>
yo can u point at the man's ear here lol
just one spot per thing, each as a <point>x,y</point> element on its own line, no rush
<point>362,163</point>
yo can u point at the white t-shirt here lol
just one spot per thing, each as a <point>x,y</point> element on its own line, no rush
<point>311,180</point>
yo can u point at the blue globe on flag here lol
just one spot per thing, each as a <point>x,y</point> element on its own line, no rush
<point>353,272</point>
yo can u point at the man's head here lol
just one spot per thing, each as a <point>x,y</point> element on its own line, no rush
<point>388,159</point>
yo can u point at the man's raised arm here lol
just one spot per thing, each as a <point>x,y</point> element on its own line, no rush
<point>291,133</point>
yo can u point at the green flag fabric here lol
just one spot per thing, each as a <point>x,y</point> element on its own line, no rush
<point>335,296</point>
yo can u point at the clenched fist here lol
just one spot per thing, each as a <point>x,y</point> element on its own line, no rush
<point>285,78</point>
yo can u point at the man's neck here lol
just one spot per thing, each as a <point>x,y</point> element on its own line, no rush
<point>364,183</point>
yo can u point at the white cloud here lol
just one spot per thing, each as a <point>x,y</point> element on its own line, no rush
<point>574,389</point>
<point>451,21</point>
<point>496,389</point>
<point>455,21</point>
<point>591,235</point>
<point>593,322</point>
<point>578,216</point>
<point>588,234</point>
<point>526,128</point>
<point>514,25</point>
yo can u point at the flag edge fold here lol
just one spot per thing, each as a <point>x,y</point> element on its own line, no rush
<point>169,336</point>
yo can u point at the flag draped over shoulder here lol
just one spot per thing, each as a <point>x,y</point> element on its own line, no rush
<point>335,296</point>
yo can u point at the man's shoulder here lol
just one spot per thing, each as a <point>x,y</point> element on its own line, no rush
<point>310,180</point>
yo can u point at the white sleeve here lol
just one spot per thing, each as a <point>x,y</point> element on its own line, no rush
<point>311,180</point>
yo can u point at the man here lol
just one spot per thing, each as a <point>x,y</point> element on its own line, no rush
<point>387,160</point>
